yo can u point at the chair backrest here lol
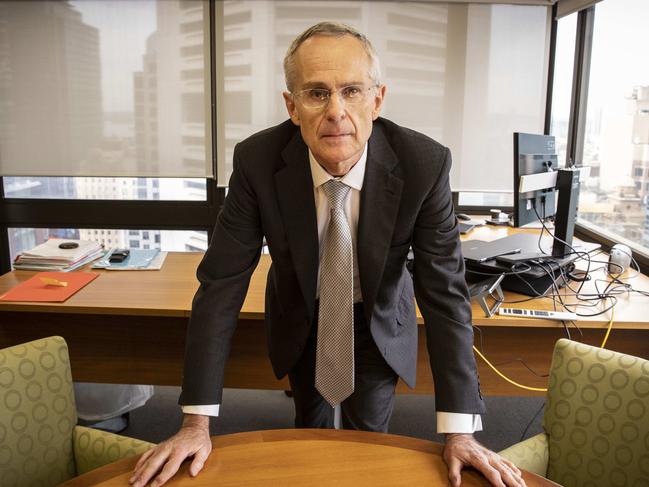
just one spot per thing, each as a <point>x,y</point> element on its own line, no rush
<point>597,417</point>
<point>37,414</point>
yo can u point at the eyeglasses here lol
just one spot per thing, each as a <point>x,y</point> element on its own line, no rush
<point>319,97</point>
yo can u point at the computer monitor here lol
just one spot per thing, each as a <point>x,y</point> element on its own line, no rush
<point>534,154</point>
<point>537,178</point>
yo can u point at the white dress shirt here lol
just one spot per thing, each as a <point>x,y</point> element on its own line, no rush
<point>447,422</point>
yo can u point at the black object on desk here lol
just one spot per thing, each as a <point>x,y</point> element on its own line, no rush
<point>68,245</point>
<point>119,255</point>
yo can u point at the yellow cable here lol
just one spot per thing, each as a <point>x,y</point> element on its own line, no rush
<point>610,327</point>
<point>537,389</point>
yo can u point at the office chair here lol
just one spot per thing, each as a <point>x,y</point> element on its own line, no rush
<point>40,443</point>
<point>596,421</point>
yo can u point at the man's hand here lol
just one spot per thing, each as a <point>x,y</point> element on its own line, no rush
<point>463,450</point>
<point>192,439</point>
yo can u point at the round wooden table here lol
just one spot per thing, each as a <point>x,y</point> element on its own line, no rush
<point>308,458</point>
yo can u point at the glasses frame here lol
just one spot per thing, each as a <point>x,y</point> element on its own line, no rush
<point>362,96</point>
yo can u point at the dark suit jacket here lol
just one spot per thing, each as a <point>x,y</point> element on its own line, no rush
<point>405,200</point>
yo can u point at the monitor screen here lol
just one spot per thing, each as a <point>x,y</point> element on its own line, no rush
<point>533,154</point>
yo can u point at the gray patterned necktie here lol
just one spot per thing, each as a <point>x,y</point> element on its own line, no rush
<point>334,372</point>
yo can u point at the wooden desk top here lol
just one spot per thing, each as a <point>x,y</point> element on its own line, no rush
<point>309,458</point>
<point>169,292</point>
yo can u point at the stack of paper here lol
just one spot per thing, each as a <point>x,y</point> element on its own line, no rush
<point>57,255</point>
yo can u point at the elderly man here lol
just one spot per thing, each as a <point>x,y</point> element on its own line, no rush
<point>340,195</point>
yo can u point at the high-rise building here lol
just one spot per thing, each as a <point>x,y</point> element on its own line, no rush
<point>170,112</point>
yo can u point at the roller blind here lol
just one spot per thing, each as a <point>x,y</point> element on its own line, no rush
<point>467,75</point>
<point>104,88</point>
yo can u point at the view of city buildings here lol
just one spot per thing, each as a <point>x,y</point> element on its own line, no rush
<point>622,208</point>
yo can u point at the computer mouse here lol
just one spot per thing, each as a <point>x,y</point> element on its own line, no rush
<point>463,217</point>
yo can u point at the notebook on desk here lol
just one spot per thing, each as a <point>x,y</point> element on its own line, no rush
<point>51,287</point>
<point>479,251</point>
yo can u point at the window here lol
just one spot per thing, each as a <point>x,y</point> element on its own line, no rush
<point>617,127</point>
<point>170,189</point>
<point>468,75</point>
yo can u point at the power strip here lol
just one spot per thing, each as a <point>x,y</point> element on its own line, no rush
<point>537,313</point>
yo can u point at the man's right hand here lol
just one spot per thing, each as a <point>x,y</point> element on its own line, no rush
<point>192,439</point>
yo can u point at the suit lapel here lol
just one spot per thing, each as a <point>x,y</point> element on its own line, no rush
<point>379,206</point>
<point>294,185</point>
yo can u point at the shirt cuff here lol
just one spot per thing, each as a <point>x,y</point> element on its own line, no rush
<point>203,410</point>
<point>458,422</point>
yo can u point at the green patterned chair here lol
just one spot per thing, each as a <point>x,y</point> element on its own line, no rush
<point>596,421</point>
<point>40,445</point>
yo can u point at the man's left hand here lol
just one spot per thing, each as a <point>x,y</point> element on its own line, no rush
<point>463,450</point>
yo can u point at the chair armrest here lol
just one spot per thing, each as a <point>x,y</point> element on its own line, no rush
<point>531,454</point>
<point>95,448</point>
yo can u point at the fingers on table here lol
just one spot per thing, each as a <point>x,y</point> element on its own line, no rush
<point>199,460</point>
<point>468,452</point>
<point>147,467</point>
<point>144,458</point>
<point>166,459</point>
<point>499,471</point>
<point>169,469</point>
<point>454,468</point>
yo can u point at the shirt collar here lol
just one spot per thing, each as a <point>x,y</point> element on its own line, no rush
<point>353,179</point>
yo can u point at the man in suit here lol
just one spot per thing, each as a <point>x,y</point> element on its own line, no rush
<point>340,195</point>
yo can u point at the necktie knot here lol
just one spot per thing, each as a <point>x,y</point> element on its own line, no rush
<point>336,192</point>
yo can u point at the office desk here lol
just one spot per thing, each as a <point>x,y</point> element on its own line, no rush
<point>309,458</point>
<point>129,327</point>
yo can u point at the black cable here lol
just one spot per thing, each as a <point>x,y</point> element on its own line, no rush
<point>524,364</point>
<point>532,421</point>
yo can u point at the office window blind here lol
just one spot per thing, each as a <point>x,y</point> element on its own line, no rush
<point>104,88</point>
<point>468,75</point>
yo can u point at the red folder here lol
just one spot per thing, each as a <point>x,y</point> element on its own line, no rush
<point>34,289</point>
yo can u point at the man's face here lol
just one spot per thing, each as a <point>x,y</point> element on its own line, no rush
<point>337,132</point>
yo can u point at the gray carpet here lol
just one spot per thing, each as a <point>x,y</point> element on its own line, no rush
<point>247,410</point>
